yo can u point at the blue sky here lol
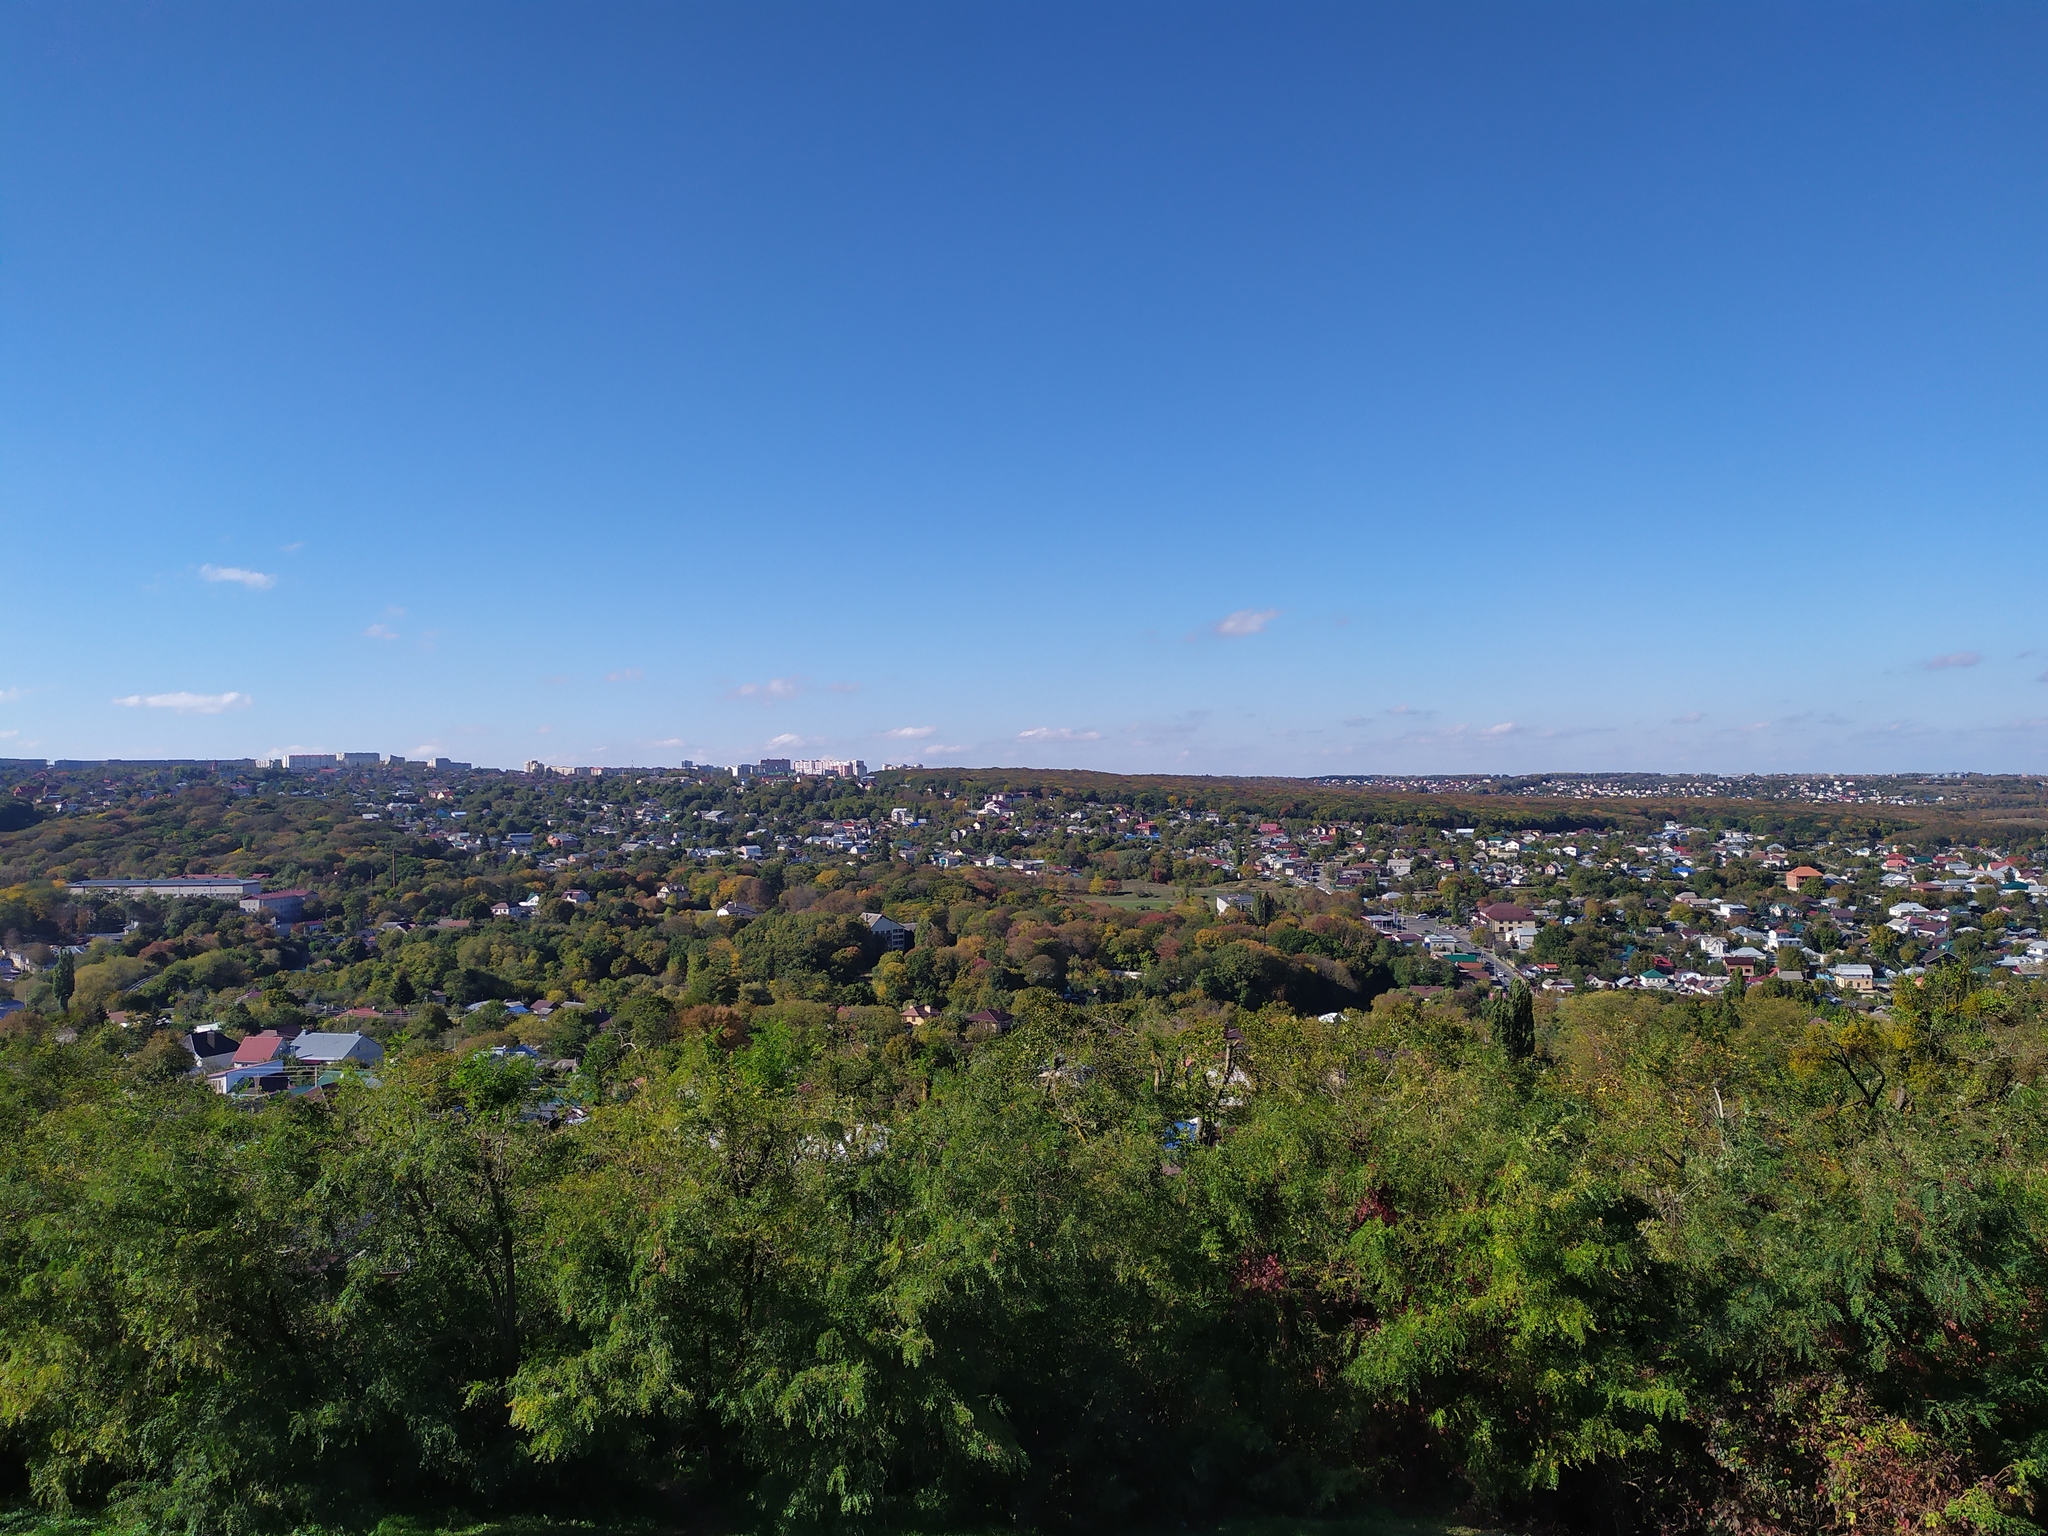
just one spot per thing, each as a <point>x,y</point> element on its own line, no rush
<point>1275,388</point>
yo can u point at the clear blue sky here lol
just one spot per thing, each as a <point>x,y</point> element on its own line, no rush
<point>1283,388</point>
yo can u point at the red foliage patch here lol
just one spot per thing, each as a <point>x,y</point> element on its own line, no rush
<point>1259,1274</point>
<point>1374,1206</point>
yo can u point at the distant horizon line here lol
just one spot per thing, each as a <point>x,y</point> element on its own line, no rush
<point>268,761</point>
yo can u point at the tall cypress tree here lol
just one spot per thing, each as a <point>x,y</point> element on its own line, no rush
<point>1517,1029</point>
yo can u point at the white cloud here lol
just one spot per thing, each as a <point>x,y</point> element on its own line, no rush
<point>1246,621</point>
<point>1505,728</point>
<point>1057,733</point>
<point>1953,659</point>
<point>187,703</point>
<point>431,749</point>
<point>911,732</point>
<point>775,688</point>
<point>786,739</point>
<point>255,580</point>
<point>9,695</point>
<point>1693,718</point>
<point>623,675</point>
<point>381,632</point>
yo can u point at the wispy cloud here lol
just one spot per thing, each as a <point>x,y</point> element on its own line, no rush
<point>623,675</point>
<point>255,580</point>
<point>791,739</point>
<point>1694,718</point>
<point>1505,728</point>
<point>769,692</point>
<point>9,695</point>
<point>911,732</point>
<point>842,687</point>
<point>291,548</point>
<point>1246,621</point>
<point>1057,733</point>
<point>1952,659</point>
<point>1408,709</point>
<point>187,703</point>
<point>381,632</point>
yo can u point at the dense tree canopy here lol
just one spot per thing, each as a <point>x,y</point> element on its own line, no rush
<point>1677,1266</point>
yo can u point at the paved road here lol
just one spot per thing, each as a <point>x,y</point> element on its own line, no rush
<point>1499,969</point>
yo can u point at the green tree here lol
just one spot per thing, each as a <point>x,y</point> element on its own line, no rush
<point>1511,1018</point>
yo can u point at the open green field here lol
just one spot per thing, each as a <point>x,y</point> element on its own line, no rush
<point>1146,896</point>
<point>1131,901</point>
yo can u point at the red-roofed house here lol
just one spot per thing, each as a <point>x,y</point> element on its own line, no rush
<point>264,1046</point>
<point>1515,925</point>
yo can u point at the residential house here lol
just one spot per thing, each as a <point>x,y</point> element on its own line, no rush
<point>212,1049</point>
<point>1744,962</point>
<point>266,1045</point>
<point>334,1050</point>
